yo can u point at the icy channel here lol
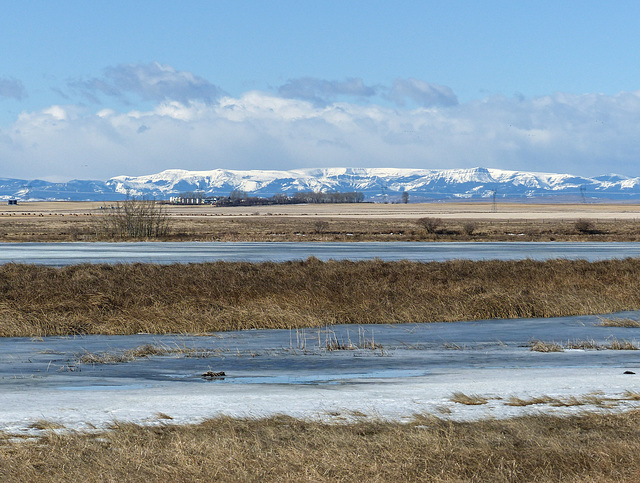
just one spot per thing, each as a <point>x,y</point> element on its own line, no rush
<point>339,372</point>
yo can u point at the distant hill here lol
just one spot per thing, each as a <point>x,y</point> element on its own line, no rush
<point>377,184</point>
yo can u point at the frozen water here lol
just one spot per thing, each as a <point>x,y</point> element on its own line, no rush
<point>391,371</point>
<point>59,254</point>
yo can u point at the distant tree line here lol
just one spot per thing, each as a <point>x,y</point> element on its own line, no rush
<point>332,197</point>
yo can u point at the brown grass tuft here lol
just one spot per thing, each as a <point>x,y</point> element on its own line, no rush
<point>516,401</point>
<point>44,424</point>
<point>616,322</point>
<point>540,346</point>
<point>468,399</point>
<point>621,345</point>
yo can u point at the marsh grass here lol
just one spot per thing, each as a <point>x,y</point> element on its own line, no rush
<point>140,352</point>
<point>621,345</point>
<point>541,346</point>
<point>516,401</point>
<point>589,447</point>
<point>613,344</point>
<point>619,322</point>
<point>163,416</point>
<point>45,425</point>
<point>632,395</point>
<point>589,344</point>
<point>208,297</point>
<point>332,343</point>
<point>468,399</point>
<point>591,399</point>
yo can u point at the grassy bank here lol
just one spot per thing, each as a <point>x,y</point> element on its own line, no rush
<point>534,448</point>
<point>43,227</point>
<point>195,298</point>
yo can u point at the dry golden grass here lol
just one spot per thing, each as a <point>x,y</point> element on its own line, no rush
<point>143,351</point>
<point>541,346</point>
<point>590,447</point>
<point>221,296</point>
<point>592,399</point>
<point>43,424</point>
<point>584,345</point>
<point>468,399</point>
<point>619,322</point>
<point>613,344</point>
<point>516,401</point>
<point>621,345</point>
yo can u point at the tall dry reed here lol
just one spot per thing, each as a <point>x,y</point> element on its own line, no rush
<point>126,299</point>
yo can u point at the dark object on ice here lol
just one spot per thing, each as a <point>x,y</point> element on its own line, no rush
<point>628,372</point>
<point>213,375</point>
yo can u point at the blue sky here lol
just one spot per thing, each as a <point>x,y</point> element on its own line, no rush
<point>99,89</point>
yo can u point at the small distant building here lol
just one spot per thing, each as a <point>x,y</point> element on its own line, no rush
<point>13,202</point>
<point>180,200</point>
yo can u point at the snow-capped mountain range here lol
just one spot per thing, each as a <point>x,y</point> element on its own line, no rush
<point>377,184</point>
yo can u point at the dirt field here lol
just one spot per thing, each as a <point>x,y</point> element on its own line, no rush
<point>72,221</point>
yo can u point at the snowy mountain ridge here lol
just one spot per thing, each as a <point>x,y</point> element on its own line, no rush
<point>377,184</point>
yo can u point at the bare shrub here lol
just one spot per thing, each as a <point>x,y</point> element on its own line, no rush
<point>135,218</point>
<point>321,226</point>
<point>429,224</point>
<point>469,227</point>
<point>584,226</point>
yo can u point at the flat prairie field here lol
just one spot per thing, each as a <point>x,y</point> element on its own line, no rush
<point>450,210</point>
<point>461,221</point>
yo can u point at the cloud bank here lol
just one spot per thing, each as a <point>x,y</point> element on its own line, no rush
<point>314,123</point>
<point>322,92</point>
<point>151,82</point>
<point>423,93</point>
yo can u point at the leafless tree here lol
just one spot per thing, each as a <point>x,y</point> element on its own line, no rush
<point>429,224</point>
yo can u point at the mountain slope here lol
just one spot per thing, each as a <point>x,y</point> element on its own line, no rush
<point>377,184</point>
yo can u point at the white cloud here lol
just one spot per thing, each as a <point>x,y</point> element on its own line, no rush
<point>581,134</point>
